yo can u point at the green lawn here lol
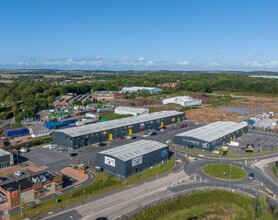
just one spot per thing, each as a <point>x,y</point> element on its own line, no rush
<point>222,171</point>
<point>166,166</point>
<point>208,204</point>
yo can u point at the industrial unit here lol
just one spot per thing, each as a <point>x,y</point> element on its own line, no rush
<point>185,101</point>
<point>106,131</point>
<point>123,110</point>
<point>6,159</point>
<point>132,158</point>
<point>211,136</point>
<point>140,89</point>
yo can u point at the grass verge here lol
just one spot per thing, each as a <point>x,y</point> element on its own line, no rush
<point>206,205</point>
<point>224,171</point>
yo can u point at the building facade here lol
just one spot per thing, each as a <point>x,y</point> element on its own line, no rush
<point>185,101</point>
<point>140,89</point>
<point>30,188</point>
<point>107,95</point>
<point>132,158</point>
<point>106,131</point>
<point>211,136</point>
<point>6,159</point>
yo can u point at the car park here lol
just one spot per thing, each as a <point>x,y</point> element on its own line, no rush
<point>18,173</point>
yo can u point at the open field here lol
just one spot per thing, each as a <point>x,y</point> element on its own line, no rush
<point>205,205</point>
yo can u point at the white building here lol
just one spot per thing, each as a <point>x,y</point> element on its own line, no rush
<point>122,110</point>
<point>140,89</point>
<point>185,101</point>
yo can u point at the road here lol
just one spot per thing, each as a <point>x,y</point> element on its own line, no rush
<point>117,204</point>
<point>132,198</point>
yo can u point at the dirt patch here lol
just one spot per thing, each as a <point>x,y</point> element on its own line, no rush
<point>256,105</point>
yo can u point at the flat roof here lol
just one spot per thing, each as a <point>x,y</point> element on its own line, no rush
<point>213,131</point>
<point>131,109</point>
<point>4,153</point>
<point>132,150</point>
<point>28,182</point>
<point>103,126</point>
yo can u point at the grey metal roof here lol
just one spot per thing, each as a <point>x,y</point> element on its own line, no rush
<point>103,126</point>
<point>132,150</point>
<point>213,131</point>
<point>4,153</point>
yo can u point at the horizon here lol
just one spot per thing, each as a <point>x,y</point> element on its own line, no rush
<point>191,35</point>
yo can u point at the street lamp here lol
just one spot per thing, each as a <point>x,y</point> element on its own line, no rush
<point>157,188</point>
<point>230,177</point>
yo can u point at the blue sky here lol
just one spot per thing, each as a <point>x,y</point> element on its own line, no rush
<point>139,34</point>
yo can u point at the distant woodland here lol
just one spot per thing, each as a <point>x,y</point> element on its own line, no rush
<point>27,94</point>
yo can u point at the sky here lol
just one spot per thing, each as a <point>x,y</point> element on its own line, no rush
<point>139,34</point>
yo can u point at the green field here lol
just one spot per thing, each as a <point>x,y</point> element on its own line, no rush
<point>211,205</point>
<point>224,171</point>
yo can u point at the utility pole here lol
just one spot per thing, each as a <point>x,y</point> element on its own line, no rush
<point>230,177</point>
<point>157,188</point>
<point>21,214</point>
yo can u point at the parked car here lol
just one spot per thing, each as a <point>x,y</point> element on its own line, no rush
<point>101,144</point>
<point>153,133</point>
<point>168,141</point>
<point>23,150</point>
<point>52,146</point>
<point>18,173</point>
<point>133,137</point>
<point>73,154</point>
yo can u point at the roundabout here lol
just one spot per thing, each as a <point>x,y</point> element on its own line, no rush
<point>224,171</point>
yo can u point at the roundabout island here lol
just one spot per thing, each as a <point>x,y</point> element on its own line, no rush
<point>224,171</point>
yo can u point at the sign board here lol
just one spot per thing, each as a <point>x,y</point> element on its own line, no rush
<point>136,161</point>
<point>109,161</point>
<point>164,153</point>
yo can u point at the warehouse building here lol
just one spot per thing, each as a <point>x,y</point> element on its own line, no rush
<point>132,158</point>
<point>140,89</point>
<point>211,136</point>
<point>123,110</point>
<point>77,137</point>
<point>6,159</point>
<point>185,101</point>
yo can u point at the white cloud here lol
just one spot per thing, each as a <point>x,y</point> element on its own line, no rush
<point>183,63</point>
<point>214,64</point>
<point>263,64</point>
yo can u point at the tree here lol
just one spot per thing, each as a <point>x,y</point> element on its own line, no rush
<point>15,109</point>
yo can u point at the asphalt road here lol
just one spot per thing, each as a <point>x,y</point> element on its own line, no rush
<point>132,198</point>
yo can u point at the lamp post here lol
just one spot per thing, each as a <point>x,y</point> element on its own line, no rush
<point>157,188</point>
<point>20,207</point>
<point>230,177</point>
